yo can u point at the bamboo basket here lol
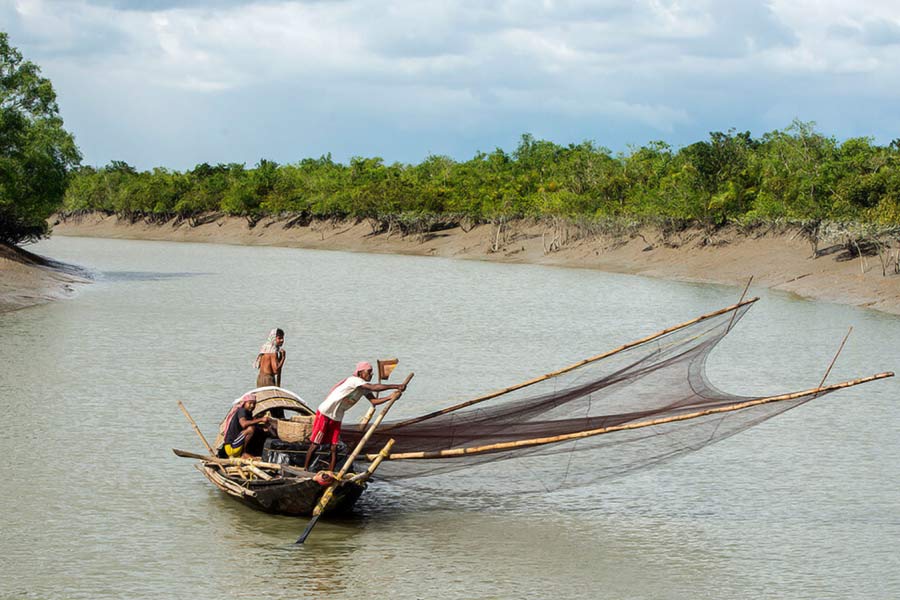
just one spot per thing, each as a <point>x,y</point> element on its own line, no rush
<point>297,429</point>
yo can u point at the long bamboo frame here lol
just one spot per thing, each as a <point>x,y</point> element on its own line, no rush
<point>836,354</point>
<point>741,299</point>
<point>365,475</point>
<point>329,491</point>
<point>594,432</point>
<point>571,367</point>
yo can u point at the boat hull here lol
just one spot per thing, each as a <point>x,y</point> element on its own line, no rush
<point>292,496</point>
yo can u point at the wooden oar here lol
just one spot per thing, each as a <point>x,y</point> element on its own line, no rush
<point>592,432</point>
<point>197,429</point>
<point>519,386</point>
<point>326,496</point>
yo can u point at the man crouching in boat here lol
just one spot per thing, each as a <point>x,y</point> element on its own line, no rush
<point>240,428</point>
<point>327,424</point>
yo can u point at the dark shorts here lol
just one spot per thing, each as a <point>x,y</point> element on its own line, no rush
<point>325,430</point>
<point>236,447</point>
<point>264,379</point>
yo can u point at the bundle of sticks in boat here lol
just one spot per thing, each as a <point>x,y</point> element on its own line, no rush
<point>246,468</point>
<point>247,472</point>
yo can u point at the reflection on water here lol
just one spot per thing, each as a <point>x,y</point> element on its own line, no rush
<point>116,276</point>
<point>96,506</point>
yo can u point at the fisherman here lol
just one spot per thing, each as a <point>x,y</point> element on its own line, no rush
<point>240,425</point>
<point>327,423</point>
<point>270,359</point>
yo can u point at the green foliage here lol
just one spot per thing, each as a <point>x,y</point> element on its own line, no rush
<point>36,153</point>
<point>795,174</point>
<point>792,174</point>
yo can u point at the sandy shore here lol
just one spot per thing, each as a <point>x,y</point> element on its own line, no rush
<point>27,279</point>
<point>781,260</point>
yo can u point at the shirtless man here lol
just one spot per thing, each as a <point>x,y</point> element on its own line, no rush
<point>270,360</point>
<point>327,424</point>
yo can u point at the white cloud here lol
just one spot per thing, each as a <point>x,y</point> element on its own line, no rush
<point>840,37</point>
<point>639,69</point>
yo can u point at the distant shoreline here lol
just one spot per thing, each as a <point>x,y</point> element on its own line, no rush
<point>780,259</point>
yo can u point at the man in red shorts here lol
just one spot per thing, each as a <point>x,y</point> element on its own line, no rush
<point>327,424</point>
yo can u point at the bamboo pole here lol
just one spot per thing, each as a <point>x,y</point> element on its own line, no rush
<point>236,462</point>
<point>258,472</point>
<point>225,484</point>
<point>593,432</point>
<point>581,363</point>
<point>326,496</point>
<point>744,293</point>
<point>380,457</point>
<point>364,422</point>
<point>836,354</point>
<point>196,429</point>
<point>362,442</point>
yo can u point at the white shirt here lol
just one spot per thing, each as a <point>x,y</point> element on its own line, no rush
<point>342,398</point>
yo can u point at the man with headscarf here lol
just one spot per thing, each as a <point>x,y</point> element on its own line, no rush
<point>240,425</point>
<point>270,359</point>
<point>342,397</point>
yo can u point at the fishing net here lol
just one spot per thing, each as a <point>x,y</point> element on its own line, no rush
<point>553,419</point>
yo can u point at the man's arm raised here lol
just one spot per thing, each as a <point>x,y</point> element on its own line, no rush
<point>382,387</point>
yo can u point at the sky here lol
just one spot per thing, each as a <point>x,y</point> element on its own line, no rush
<point>168,83</point>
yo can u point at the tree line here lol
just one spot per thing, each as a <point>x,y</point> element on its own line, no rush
<point>795,174</point>
<point>36,153</point>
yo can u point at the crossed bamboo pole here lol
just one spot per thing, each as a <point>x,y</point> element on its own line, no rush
<point>571,367</point>
<point>196,429</point>
<point>329,492</point>
<point>454,452</point>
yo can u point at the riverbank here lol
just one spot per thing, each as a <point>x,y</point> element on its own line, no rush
<point>27,279</point>
<point>777,258</point>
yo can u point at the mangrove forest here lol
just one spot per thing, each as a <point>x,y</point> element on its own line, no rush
<point>795,174</point>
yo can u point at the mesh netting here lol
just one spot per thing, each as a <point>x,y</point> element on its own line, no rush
<point>661,378</point>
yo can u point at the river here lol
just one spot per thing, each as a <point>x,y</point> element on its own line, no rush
<point>95,505</point>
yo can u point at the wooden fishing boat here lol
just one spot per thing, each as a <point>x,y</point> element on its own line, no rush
<point>277,483</point>
<point>276,488</point>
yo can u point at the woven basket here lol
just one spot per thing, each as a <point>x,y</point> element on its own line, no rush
<point>297,429</point>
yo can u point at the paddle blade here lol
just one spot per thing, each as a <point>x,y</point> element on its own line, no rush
<point>309,528</point>
<point>386,367</point>
<point>186,454</point>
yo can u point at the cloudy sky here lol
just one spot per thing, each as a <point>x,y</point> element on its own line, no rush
<point>175,83</point>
